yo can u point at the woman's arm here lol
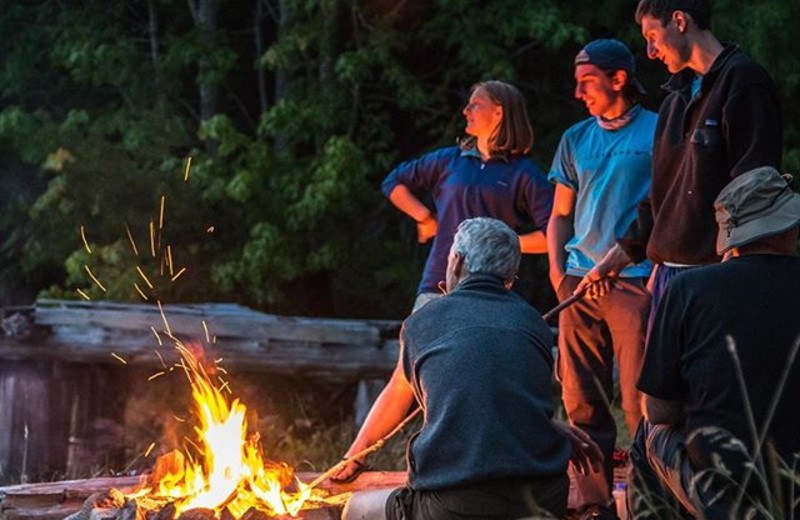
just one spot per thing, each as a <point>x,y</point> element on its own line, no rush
<point>405,201</point>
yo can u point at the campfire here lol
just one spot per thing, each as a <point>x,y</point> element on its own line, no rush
<point>224,476</point>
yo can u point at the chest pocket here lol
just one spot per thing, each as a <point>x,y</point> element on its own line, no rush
<point>706,137</point>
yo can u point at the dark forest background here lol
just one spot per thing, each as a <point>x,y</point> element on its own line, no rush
<point>292,112</point>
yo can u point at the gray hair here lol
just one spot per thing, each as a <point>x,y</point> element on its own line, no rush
<point>488,246</point>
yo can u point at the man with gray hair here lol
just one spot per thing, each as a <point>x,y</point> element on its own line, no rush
<point>478,363</point>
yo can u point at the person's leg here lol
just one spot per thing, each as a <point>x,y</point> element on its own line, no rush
<point>368,505</point>
<point>661,474</point>
<point>585,366</point>
<point>658,286</point>
<point>626,309</point>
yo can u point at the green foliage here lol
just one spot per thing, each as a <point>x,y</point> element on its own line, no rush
<point>103,102</point>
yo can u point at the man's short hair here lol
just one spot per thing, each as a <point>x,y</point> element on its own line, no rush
<point>488,246</point>
<point>699,10</point>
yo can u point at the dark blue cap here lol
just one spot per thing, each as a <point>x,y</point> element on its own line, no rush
<point>610,55</point>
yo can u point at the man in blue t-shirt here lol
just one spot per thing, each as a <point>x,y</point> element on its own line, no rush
<point>601,171</point>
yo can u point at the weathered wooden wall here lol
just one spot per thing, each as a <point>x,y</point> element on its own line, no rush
<point>61,380</point>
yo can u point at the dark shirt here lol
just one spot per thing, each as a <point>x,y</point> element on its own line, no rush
<point>480,364</point>
<point>753,299</point>
<point>513,190</point>
<point>701,143</point>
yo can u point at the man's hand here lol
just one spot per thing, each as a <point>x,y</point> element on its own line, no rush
<point>600,278</point>
<point>426,229</point>
<point>586,455</point>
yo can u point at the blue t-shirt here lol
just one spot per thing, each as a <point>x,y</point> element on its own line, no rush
<point>513,190</point>
<point>480,364</point>
<point>610,172</point>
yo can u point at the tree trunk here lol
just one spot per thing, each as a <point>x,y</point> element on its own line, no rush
<point>205,13</point>
<point>259,41</point>
<point>282,79</point>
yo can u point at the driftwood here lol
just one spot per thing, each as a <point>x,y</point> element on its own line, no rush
<point>88,332</point>
<point>57,500</point>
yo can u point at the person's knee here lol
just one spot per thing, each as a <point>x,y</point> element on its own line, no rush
<point>368,505</point>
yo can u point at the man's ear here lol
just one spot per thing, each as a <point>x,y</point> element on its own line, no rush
<point>618,80</point>
<point>458,265</point>
<point>681,20</point>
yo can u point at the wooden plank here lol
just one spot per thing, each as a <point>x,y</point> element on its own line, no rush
<point>248,324</point>
<point>276,357</point>
<point>55,500</point>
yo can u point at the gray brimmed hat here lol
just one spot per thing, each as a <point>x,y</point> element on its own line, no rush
<point>756,204</point>
<point>609,54</point>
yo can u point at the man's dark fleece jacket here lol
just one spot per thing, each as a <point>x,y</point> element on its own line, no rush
<point>731,126</point>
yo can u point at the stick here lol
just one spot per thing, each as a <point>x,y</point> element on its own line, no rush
<point>566,303</point>
<point>375,447</point>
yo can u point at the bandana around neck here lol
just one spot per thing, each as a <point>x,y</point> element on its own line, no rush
<point>619,122</point>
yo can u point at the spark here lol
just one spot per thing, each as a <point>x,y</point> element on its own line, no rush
<point>83,294</point>
<point>214,339</point>
<point>218,361</point>
<point>190,441</point>
<point>144,277</point>
<point>224,386</point>
<point>149,449</point>
<point>91,275</point>
<point>178,274</point>
<point>158,338</point>
<point>121,360</point>
<point>205,328</point>
<point>130,237</point>
<point>85,242</point>
<point>169,259</point>
<point>139,290</point>
<point>163,317</point>
<point>186,172</point>
<point>152,239</point>
<point>154,376</point>
<point>160,358</point>
<point>222,370</point>
<point>179,419</point>
<point>161,215</point>
<point>210,229</point>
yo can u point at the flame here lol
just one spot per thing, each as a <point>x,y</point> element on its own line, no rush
<point>230,472</point>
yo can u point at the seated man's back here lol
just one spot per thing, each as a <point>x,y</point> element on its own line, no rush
<point>753,299</point>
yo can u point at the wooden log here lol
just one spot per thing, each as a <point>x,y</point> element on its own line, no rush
<point>328,361</point>
<point>57,500</point>
<point>229,321</point>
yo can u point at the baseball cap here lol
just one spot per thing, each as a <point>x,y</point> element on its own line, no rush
<point>609,54</point>
<point>756,204</point>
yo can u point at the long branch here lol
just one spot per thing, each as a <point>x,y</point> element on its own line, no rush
<point>375,447</point>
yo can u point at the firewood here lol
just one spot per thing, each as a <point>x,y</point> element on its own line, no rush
<point>199,513</point>
<point>255,514</point>
<point>226,515</point>
<point>131,511</point>
<point>165,513</point>
<point>171,463</point>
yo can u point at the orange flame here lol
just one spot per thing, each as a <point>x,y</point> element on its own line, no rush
<point>231,473</point>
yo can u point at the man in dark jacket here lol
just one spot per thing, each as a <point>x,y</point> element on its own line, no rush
<point>720,119</point>
<point>479,364</point>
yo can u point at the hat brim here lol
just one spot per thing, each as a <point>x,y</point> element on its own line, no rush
<point>638,86</point>
<point>782,218</point>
